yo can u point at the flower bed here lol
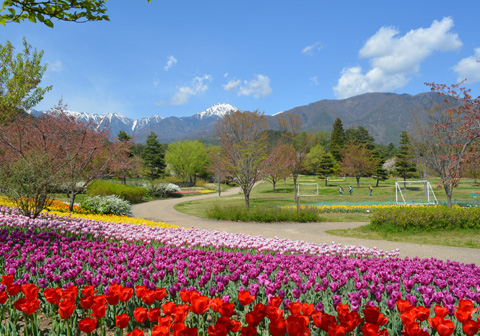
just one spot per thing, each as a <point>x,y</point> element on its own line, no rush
<point>197,314</point>
<point>183,192</point>
<point>48,259</point>
<point>175,236</point>
<point>356,208</point>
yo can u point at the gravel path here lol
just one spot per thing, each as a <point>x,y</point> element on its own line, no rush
<point>162,210</point>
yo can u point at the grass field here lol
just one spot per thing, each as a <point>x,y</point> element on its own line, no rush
<point>264,195</point>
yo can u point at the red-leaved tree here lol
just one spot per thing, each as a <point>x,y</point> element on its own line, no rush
<point>278,163</point>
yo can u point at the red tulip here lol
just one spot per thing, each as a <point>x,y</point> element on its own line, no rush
<point>153,314</point>
<point>66,308</point>
<point>422,313</point>
<point>87,325</point>
<point>99,299</point>
<point>18,303</point>
<point>324,321</point>
<point>200,304</point>
<point>273,313</point>
<point>278,327</point>
<point>245,298</point>
<point>466,305</point>
<point>168,308</point>
<point>160,294</point>
<point>215,304</point>
<point>148,297</point>
<point>70,294</point>
<point>98,310</point>
<point>7,280</point>
<point>440,311</point>
<point>30,291</point>
<point>337,330</point>
<point>188,332</point>
<point>275,301</point>
<point>403,306</point>
<point>136,332</point>
<point>160,331</point>
<point>295,308</point>
<point>140,314</point>
<point>370,329</point>
<point>122,320</point>
<point>247,331</point>
<point>86,302</point>
<point>31,306</point>
<point>88,291</point>
<point>3,297</point>
<point>446,328</point>
<point>253,318</point>
<point>139,291</point>
<point>180,313</point>
<point>308,309</point>
<point>112,298</point>
<point>373,316</point>
<point>114,288</point>
<point>227,309</point>
<point>297,325</point>
<point>125,294</point>
<point>13,290</point>
<point>470,327</point>
<point>52,295</point>
<point>185,296</point>
<point>165,321</point>
<point>177,328</point>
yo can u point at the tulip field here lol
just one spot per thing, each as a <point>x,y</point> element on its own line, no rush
<point>77,275</point>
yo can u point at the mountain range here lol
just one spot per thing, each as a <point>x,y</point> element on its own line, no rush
<point>385,115</point>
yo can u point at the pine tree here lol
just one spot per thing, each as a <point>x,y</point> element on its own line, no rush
<point>405,167</point>
<point>337,139</point>
<point>154,157</point>
<point>326,167</point>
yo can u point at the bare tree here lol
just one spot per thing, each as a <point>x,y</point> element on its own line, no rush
<point>243,140</point>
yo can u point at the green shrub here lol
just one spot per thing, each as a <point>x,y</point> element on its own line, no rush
<point>107,205</point>
<point>160,189</point>
<point>428,218</point>
<point>128,193</point>
<point>201,183</point>
<point>264,214</point>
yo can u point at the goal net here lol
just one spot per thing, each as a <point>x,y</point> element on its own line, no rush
<point>414,192</point>
<point>307,189</point>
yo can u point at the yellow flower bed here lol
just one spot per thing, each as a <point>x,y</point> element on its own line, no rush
<point>206,191</point>
<point>62,210</point>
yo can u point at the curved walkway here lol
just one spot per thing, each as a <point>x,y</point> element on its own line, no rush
<point>162,210</point>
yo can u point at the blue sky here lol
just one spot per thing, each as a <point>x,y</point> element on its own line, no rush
<point>177,58</point>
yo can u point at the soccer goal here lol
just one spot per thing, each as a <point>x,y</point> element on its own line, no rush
<point>414,192</point>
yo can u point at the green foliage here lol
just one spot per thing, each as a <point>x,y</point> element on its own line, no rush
<point>360,135</point>
<point>104,188</point>
<point>123,136</point>
<point>107,205</point>
<point>154,157</point>
<point>43,11</point>
<point>326,167</point>
<point>337,139</point>
<point>264,214</point>
<point>188,159</point>
<point>428,218</point>
<point>27,182</point>
<point>314,158</point>
<point>405,166</point>
<point>20,75</point>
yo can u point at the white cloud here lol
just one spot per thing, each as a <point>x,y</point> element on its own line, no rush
<point>198,86</point>
<point>55,67</point>
<point>395,58</point>
<point>225,75</point>
<point>314,81</point>
<point>469,68</point>
<point>309,50</point>
<point>170,63</point>
<point>232,85</point>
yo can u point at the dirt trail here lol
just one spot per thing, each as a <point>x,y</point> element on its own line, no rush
<point>162,210</point>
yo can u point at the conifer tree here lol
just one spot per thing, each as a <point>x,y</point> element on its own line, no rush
<point>404,166</point>
<point>154,157</point>
<point>337,139</point>
<point>326,167</point>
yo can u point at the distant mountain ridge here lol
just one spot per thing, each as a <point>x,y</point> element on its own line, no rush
<point>385,115</point>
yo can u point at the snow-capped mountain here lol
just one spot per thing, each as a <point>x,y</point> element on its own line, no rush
<point>168,129</point>
<point>217,110</point>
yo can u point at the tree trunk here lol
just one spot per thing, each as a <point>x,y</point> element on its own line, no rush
<point>326,181</point>
<point>274,182</point>
<point>377,181</point>
<point>247,198</point>
<point>72,200</point>
<point>358,181</point>
<point>124,179</point>
<point>448,191</point>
